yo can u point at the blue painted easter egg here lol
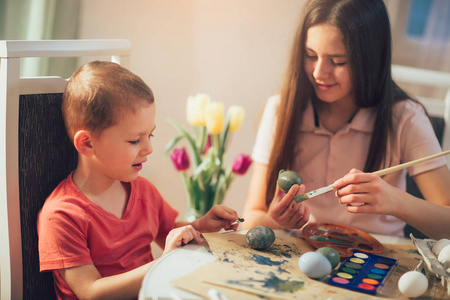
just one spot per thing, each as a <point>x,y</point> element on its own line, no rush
<point>314,265</point>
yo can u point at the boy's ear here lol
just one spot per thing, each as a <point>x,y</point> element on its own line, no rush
<point>82,141</point>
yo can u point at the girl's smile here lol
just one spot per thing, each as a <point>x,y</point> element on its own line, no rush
<point>326,64</point>
<point>325,87</point>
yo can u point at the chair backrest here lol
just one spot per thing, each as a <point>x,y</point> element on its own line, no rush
<point>35,155</point>
<point>438,110</point>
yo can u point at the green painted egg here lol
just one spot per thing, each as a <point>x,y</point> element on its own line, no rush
<point>260,237</point>
<point>331,254</point>
<point>286,179</point>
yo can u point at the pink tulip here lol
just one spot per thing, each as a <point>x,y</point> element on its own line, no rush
<point>180,159</point>
<point>207,144</point>
<point>241,164</point>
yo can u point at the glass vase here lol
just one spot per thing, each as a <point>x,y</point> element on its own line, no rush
<point>199,204</point>
<point>193,214</point>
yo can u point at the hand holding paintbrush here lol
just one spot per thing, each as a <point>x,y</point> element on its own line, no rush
<point>330,187</point>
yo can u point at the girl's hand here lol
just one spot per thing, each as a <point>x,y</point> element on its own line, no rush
<point>284,211</point>
<point>181,236</point>
<point>218,217</point>
<point>366,193</point>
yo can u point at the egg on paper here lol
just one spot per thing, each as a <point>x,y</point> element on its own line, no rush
<point>413,284</point>
<point>314,265</point>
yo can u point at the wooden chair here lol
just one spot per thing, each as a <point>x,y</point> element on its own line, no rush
<point>438,110</point>
<point>35,155</point>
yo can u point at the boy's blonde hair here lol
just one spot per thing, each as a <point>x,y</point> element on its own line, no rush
<point>98,93</point>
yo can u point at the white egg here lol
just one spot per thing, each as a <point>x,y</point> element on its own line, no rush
<point>444,257</point>
<point>413,284</point>
<point>439,245</point>
<point>314,265</point>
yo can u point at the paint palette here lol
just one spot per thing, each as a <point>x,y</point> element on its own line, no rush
<point>363,272</point>
<point>344,239</point>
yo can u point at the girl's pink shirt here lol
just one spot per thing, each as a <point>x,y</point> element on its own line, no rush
<point>322,157</point>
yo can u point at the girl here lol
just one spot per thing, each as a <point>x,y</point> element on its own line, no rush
<point>339,109</point>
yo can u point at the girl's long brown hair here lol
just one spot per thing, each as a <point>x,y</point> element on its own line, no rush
<point>365,28</point>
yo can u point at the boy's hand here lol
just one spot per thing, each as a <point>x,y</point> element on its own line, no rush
<point>218,217</point>
<point>181,236</point>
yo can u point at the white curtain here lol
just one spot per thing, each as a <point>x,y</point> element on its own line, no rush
<point>41,20</point>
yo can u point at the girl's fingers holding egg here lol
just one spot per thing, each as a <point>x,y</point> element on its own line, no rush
<point>296,208</point>
<point>295,190</point>
<point>296,214</point>
<point>302,221</point>
<point>301,190</point>
<point>286,201</point>
<point>302,215</point>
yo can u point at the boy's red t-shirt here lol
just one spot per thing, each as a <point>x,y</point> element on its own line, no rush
<point>73,231</point>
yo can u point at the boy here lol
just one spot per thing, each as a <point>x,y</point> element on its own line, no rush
<point>96,227</point>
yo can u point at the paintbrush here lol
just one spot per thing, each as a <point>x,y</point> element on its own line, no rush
<point>382,172</point>
<point>237,221</point>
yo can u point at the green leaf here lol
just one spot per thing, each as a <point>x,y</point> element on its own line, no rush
<point>204,136</point>
<point>228,178</point>
<point>220,189</point>
<point>224,141</point>
<point>171,144</point>
<point>189,138</point>
<point>193,191</point>
<point>209,166</point>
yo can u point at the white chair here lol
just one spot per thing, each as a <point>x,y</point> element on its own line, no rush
<point>35,154</point>
<point>439,108</point>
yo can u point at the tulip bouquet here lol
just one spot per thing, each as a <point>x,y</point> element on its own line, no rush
<point>209,179</point>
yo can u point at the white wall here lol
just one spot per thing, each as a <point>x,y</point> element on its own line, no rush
<point>234,50</point>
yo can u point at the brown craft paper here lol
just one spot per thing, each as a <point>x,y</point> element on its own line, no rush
<point>240,272</point>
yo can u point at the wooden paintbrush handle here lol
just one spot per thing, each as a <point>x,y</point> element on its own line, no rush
<point>409,164</point>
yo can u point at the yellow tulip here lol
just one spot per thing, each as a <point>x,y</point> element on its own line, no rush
<point>214,117</point>
<point>235,116</point>
<point>195,109</point>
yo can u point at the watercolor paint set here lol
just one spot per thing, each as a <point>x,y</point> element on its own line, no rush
<point>363,272</point>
